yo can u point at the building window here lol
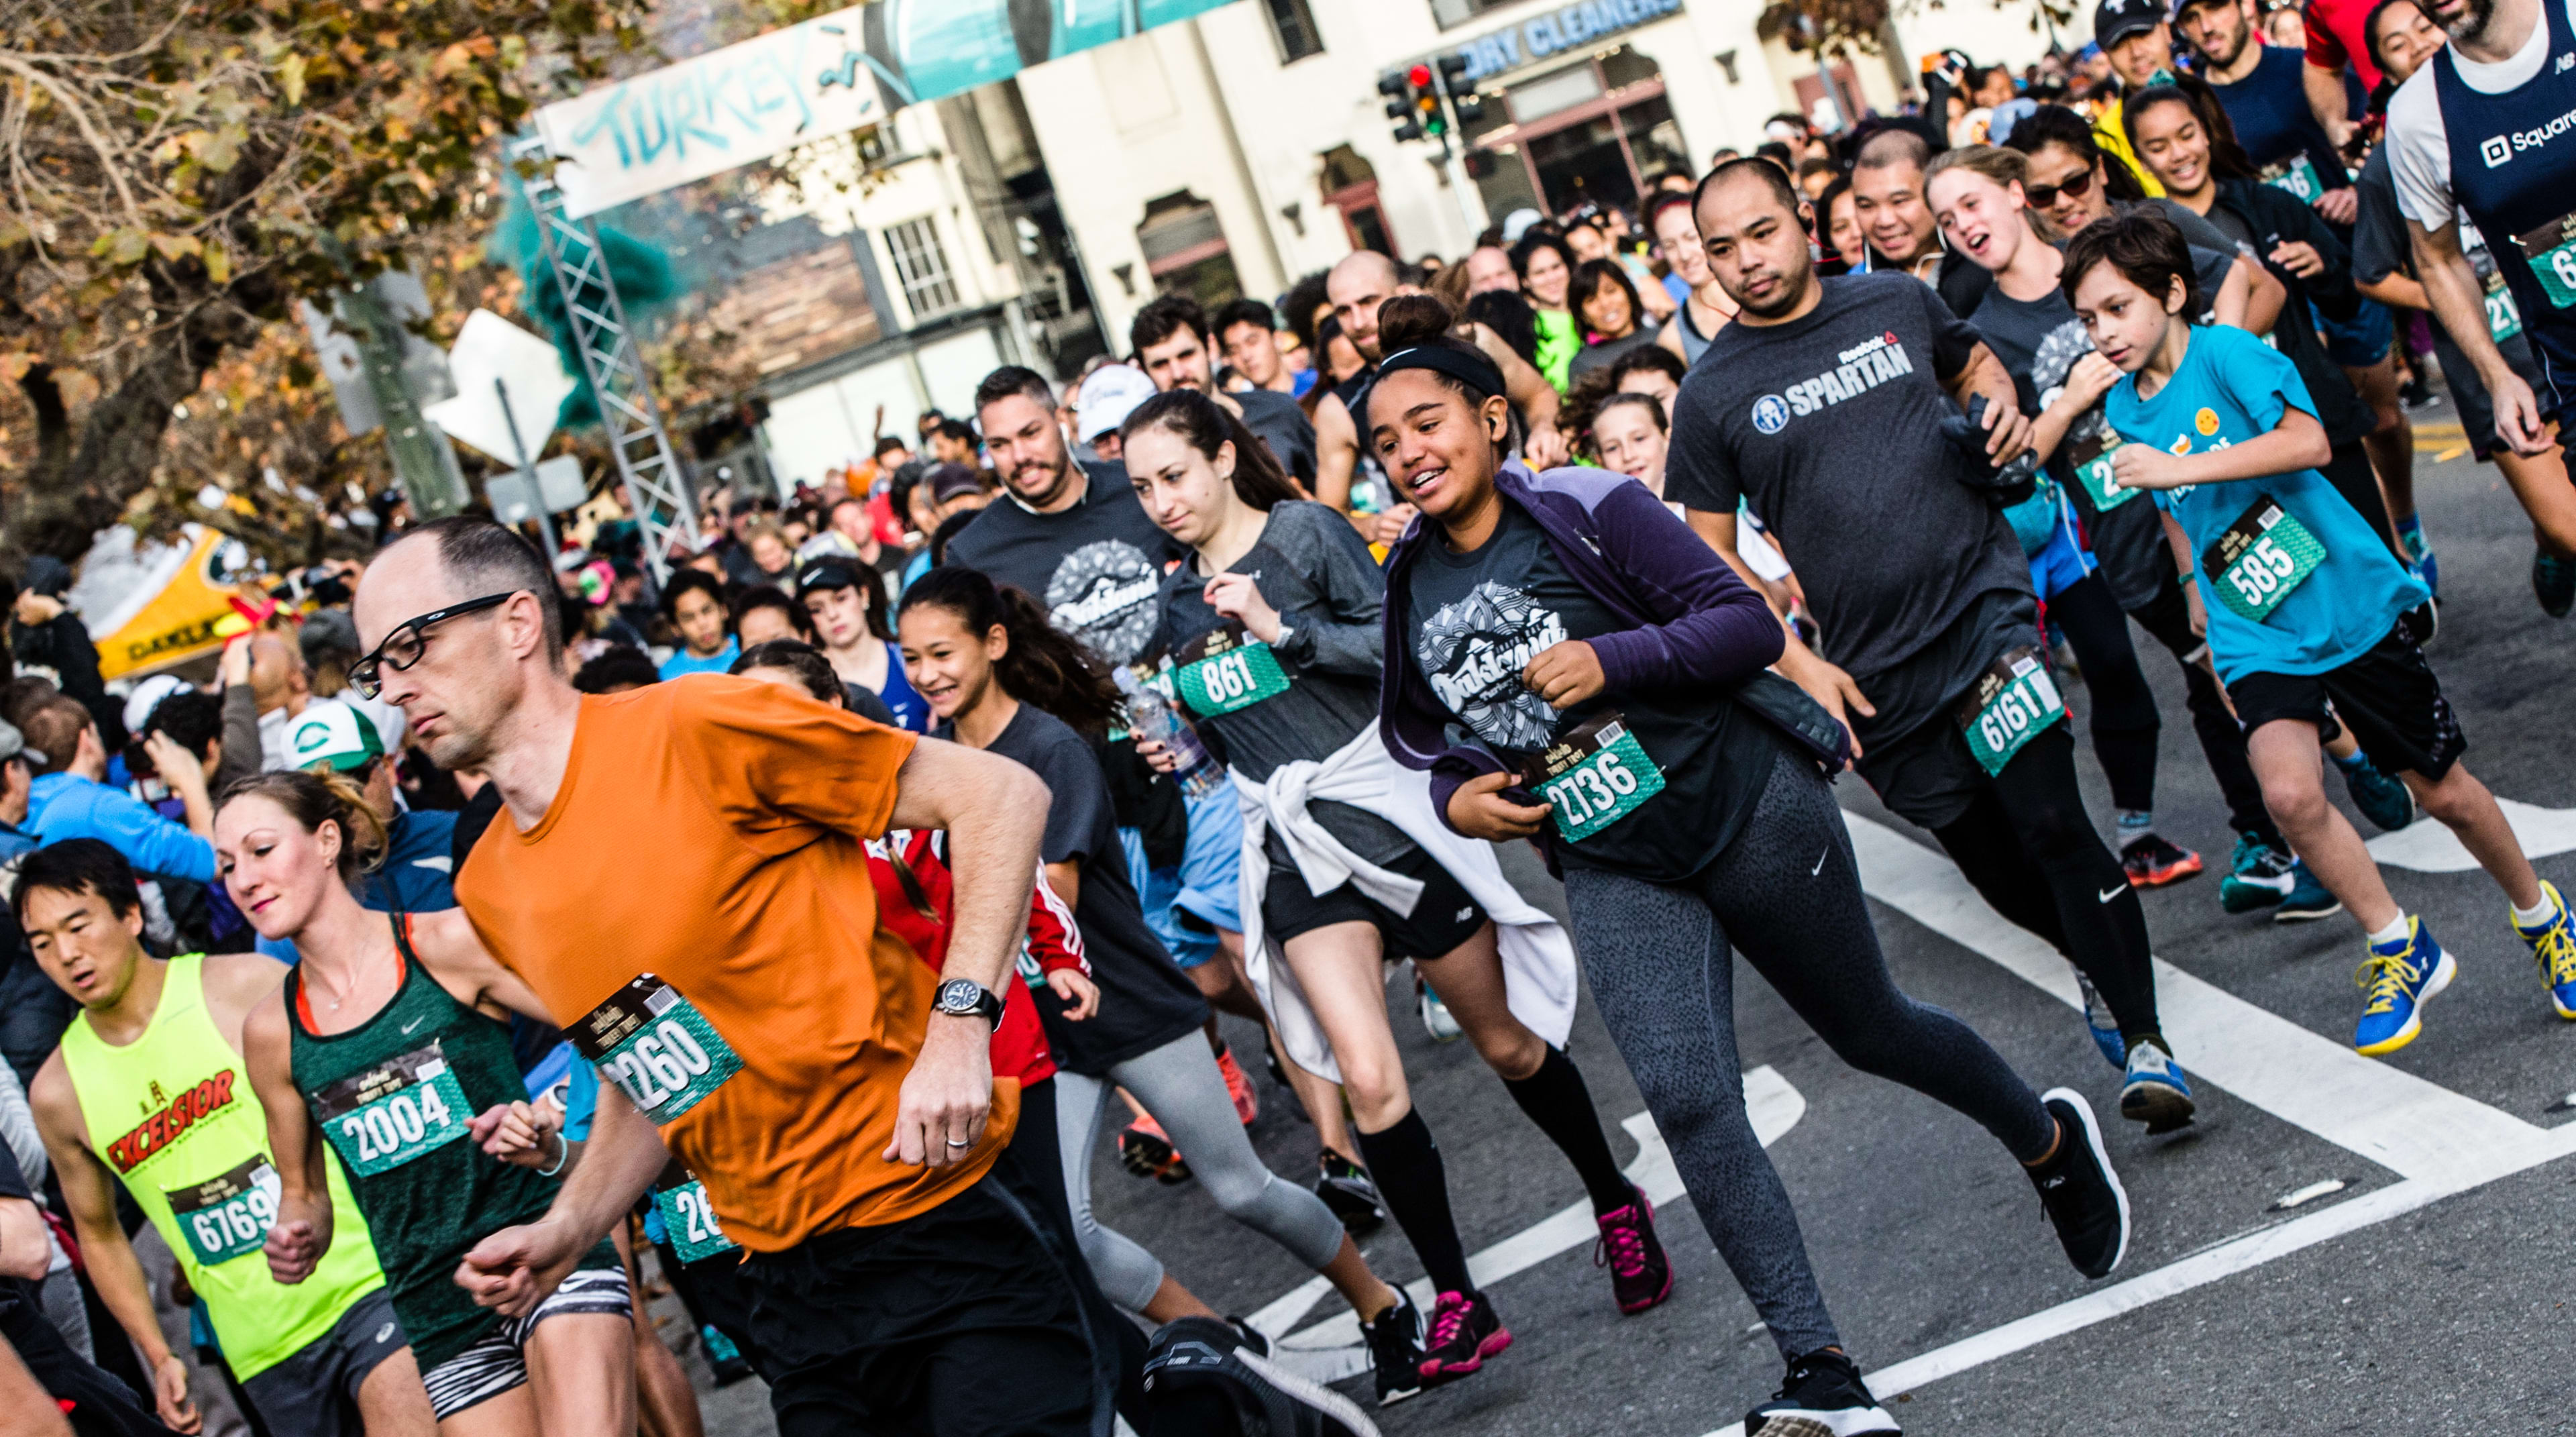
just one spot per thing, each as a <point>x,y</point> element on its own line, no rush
<point>1597,131</point>
<point>928,287</point>
<point>1186,251</point>
<point>1293,26</point>
<point>1449,13</point>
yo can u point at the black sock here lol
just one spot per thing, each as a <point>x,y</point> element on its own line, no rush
<point>1556,1100</point>
<point>1406,1163</point>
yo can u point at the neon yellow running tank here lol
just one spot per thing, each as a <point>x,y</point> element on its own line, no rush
<point>172,1114</point>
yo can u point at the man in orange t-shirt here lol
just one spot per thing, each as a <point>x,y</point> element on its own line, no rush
<point>680,874</point>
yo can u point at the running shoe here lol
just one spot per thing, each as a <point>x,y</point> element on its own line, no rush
<point>2400,977</point>
<point>2308,899</point>
<point>1395,1350</point>
<point>2553,947</point>
<point>1822,1396</point>
<point>1436,1018</point>
<point>2258,876</point>
<point>2553,582</point>
<point>1196,1357</point>
<point>1465,1330</point>
<point>1640,1275</point>
<point>2156,1093</point>
<point>1146,1150</point>
<point>2151,862</point>
<point>1247,1102</point>
<point>2080,1191</point>
<point>723,1358</point>
<point>1349,1191</point>
<point>2099,1022</point>
<point>2411,534</point>
<point>2386,802</point>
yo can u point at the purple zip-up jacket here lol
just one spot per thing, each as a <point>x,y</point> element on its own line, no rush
<point>1696,624</point>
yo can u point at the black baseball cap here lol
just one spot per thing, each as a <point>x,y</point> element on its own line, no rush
<point>2117,20</point>
<point>828,574</point>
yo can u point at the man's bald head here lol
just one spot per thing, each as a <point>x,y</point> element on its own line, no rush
<point>1357,285</point>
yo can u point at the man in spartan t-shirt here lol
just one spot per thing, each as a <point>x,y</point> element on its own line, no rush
<point>681,873</point>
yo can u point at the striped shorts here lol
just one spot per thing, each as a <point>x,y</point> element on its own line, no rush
<point>498,1363</point>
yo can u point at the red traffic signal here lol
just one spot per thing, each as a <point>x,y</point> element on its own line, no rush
<point>1420,76</point>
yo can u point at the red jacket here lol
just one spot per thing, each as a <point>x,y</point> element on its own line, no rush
<point>914,902</point>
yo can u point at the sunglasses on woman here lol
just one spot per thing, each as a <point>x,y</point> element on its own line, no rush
<point>2074,187</point>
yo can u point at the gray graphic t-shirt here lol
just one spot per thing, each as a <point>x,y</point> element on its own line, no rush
<point>1098,566</point>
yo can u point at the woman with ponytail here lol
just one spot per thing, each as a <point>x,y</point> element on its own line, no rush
<point>1274,631</point>
<point>389,1037</point>
<point>998,676</point>
<point>1570,663</point>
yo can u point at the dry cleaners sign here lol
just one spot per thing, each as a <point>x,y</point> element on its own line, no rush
<point>1566,29</point>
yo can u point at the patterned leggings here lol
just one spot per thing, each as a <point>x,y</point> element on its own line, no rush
<point>1786,893</point>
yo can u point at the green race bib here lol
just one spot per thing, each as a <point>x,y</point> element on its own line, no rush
<point>2504,317</point>
<point>2263,556</point>
<point>393,1113</point>
<point>2092,459</point>
<point>2550,249</point>
<point>655,1045</point>
<point>1594,774</point>
<point>1223,672</point>
<point>228,1216</point>
<point>2012,702</point>
<point>2299,176</point>
<point>691,1220</point>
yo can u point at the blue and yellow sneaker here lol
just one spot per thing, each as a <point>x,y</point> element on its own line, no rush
<point>2156,1093</point>
<point>2258,875</point>
<point>2099,1022</point>
<point>2400,977</point>
<point>2553,946</point>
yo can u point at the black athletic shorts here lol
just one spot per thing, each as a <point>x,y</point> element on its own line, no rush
<point>2387,696</point>
<point>1444,917</point>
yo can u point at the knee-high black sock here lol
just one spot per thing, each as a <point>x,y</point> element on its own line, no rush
<point>1406,1163</point>
<point>1556,1099</point>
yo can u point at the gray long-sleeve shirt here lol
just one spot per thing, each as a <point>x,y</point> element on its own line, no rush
<point>1316,571</point>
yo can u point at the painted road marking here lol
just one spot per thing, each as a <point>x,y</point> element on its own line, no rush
<point>2441,1143</point>
<point>1330,1350</point>
<point>2412,1127</point>
<point>2427,846</point>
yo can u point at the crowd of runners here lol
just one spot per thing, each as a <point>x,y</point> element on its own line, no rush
<point>808,924</point>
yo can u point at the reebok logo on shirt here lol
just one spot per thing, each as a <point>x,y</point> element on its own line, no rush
<point>1858,370</point>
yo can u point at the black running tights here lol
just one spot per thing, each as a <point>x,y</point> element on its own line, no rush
<point>2028,847</point>
<point>2124,708</point>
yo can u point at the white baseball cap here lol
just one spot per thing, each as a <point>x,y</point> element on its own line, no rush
<point>1106,399</point>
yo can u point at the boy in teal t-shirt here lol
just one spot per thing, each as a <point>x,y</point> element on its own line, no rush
<point>2304,607</point>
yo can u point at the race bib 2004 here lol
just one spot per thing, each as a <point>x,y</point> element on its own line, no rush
<point>1224,671</point>
<point>2550,249</point>
<point>229,1215</point>
<point>2014,699</point>
<point>657,1046</point>
<point>2092,460</point>
<point>393,1113</point>
<point>689,1218</point>
<point>1595,774</point>
<point>2263,556</point>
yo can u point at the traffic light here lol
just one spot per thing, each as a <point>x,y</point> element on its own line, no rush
<point>1397,86</point>
<point>1464,102</point>
<point>1426,101</point>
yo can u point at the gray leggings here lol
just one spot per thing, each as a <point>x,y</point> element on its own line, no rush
<point>1179,1084</point>
<point>1787,894</point>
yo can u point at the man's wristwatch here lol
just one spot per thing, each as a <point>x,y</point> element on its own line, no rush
<point>966,998</point>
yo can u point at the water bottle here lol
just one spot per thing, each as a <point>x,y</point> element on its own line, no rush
<point>1152,717</point>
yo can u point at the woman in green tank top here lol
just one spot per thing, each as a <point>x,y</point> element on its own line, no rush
<point>385,1043</point>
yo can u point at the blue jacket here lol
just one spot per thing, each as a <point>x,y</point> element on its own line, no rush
<point>417,875</point>
<point>64,806</point>
<point>1696,624</point>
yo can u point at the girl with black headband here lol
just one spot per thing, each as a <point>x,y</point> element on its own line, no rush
<point>1602,672</point>
<point>1274,635</point>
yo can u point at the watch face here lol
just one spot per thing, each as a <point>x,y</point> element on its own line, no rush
<point>959,995</point>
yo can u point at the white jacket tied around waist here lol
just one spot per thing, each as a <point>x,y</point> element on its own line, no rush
<point>1538,958</point>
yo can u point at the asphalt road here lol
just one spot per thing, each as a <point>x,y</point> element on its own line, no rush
<point>2428,1293</point>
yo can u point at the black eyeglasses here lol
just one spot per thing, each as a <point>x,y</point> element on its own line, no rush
<point>410,639</point>
<point>2074,186</point>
